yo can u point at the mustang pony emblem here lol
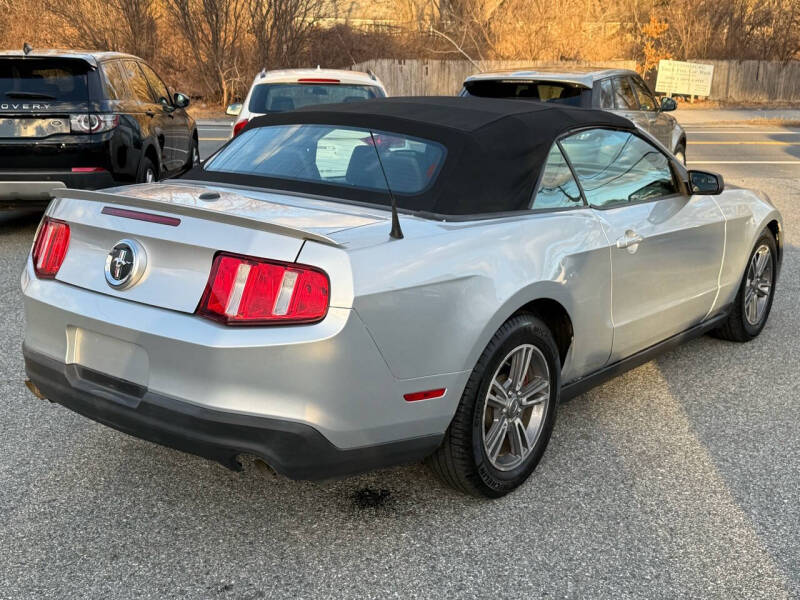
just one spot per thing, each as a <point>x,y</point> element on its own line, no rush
<point>125,264</point>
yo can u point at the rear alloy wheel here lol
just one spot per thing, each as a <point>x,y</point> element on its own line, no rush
<point>754,299</point>
<point>506,414</point>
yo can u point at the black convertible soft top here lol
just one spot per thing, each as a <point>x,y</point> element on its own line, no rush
<point>496,148</point>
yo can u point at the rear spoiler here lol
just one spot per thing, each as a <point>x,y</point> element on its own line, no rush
<point>193,211</point>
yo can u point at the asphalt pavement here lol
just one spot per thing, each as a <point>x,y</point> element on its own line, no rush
<point>679,479</point>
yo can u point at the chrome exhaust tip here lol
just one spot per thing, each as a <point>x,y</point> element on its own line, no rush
<point>34,389</point>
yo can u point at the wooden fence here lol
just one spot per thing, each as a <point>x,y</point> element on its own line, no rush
<point>735,81</point>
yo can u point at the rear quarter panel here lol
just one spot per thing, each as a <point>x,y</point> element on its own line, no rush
<point>433,300</point>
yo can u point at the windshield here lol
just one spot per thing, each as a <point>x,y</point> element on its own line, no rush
<point>333,155</point>
<point>544,91</point>
<point>280,97</point>
<point>43,79</point>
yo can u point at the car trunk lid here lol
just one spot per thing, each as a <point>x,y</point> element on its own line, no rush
<point>179,228</point>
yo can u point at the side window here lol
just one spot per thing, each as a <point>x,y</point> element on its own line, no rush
<point>115,84</point>
<point>140,90</point>
<point>605,94</point>
<point>646,99</point>
<point>155,82</point>
<point>557,188</point>
<point>624,98</point>
<point>618,167</point>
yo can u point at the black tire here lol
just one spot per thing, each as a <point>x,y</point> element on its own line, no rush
<point>461,461</point>
<point>146,165</point>
<point>737,327</point>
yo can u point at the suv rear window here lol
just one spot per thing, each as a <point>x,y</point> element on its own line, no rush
<point>333,155</point>
<point>544,91</point>
<point>43,79</point>
<point>280,97</point>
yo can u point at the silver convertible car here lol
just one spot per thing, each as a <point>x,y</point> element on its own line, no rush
<point>352,286</point>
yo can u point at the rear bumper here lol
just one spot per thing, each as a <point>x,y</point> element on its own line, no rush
<point>32,188</point>
<point>293,449</point>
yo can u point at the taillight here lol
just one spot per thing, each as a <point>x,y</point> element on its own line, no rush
<point>91,123</point>
<point>251,291</point>
<point>50,248</point>
<point>239,125</point>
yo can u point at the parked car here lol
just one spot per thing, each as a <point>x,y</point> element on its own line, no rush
<point>86,120</point>
<point>289,89</point>
<point>618,90</point>
<point>431,290</point>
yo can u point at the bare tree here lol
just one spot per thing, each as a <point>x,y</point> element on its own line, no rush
<point>122,25</point>
<point>281,28</point>
<point>212,30</point>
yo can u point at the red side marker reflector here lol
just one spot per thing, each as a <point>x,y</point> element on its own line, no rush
<point>88,169</point>
<point>426,395</point>
<point>141,216</point>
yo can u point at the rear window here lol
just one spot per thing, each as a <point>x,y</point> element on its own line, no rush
<point>280,97</point>
<point>543,91</point>
<point>332,155</point>
<point>43,79</point>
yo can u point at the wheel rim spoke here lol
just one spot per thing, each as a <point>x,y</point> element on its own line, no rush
<point>495,437</point>
<point>518,437</point>
<point>536,392</point>
<point>762,257</point>
<point>498,396</point>
<point>520,363</point>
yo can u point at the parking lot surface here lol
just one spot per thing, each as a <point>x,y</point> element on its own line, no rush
<point>680,479</point>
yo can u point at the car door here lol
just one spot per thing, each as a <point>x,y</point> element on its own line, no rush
<point>626,103</point>
<point>659,125</point>
<point>154,121</point>
<point>178,137</point>
<point>666,246</point>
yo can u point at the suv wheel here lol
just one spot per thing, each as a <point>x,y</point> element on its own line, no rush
<point>680,154</point>
<point>194,154</point>
<point>147,172</point>
<point>503,423</point>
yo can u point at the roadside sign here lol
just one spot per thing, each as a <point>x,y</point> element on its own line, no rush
<point>678,77</point>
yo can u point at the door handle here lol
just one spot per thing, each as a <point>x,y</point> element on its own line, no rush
<point>150,113</point>
<point>630,240</point>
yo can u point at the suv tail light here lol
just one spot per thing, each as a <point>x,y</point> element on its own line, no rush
<point>250,291</point>
<point>50,248</point>
<point>91,123</point>
<point>239,125</point>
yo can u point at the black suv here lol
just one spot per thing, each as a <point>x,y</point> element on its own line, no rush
<point>86,120</point>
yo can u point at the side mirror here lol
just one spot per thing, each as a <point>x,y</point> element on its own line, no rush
<point>668,104</point>
<point>705,183</point>
<point>180,100</point>
<point>234,109</point>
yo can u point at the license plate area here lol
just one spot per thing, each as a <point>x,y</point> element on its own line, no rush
<point>33,127</point>
<point>107,359</point>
